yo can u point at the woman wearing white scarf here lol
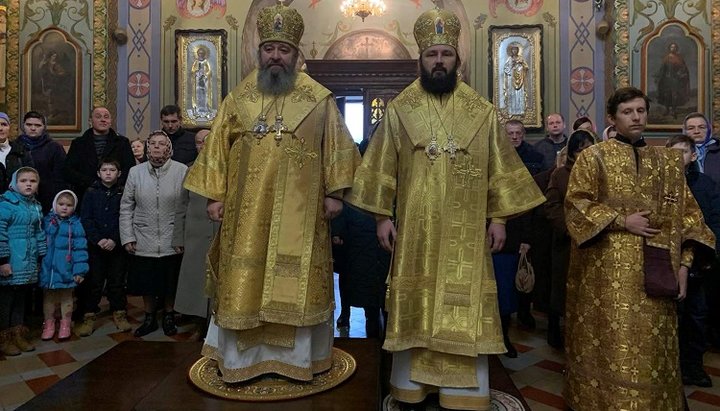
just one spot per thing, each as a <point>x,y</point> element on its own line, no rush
<point>147,214</point>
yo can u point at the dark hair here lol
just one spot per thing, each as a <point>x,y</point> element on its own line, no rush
<point>169,110</point>
<point>35,114</point>
<point>578,138</point>
<point>681,139</point>
<point>623,95</point>
<point>515,122</point>
<point>110,161</point>
<point>580,121</point>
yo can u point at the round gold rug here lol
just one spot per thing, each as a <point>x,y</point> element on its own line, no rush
<point>204,374</point>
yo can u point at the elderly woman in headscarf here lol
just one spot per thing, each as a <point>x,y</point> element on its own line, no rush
<point>147,214</point>
<point>12,154</point>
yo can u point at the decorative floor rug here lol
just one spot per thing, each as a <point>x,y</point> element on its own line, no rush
<point>204,374</point>
<point>499,401</point>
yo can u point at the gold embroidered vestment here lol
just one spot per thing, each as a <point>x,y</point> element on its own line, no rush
<point>442,293</point>
<point>270,265</point>
<point>622,346</point>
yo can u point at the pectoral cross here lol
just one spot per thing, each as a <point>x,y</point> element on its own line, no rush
<point>451,148</point>
<point>260,129</point>
<point>279,128</point>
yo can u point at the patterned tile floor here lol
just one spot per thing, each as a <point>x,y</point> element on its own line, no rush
<point>537,372</point>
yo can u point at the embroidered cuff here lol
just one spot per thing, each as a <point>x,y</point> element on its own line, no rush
<point>498,220</point>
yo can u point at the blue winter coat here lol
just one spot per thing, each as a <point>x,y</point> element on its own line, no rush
<point>67,254</point>
<point>22,240</point>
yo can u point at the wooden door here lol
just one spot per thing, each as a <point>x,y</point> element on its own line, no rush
<point>378,81</point>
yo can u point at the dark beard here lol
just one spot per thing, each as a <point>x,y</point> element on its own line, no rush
<point>275,83</point>
<point>438,85</point>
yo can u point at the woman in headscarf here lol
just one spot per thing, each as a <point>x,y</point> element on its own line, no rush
<point>697,127</point>
<point>147,214</point>
<point>609,133</point>
<point>555,194</point>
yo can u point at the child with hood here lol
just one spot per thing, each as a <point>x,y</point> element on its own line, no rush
<point>22,243</point>
<point>65,265</point>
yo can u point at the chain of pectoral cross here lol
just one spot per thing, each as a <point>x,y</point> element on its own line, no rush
<point>433,150</point>
<point>261,128</point>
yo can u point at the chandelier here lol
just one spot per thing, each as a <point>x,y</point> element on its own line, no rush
<point>362,8</point>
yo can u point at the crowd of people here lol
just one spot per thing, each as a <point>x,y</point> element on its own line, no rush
<point>107,218</point>
<point>429,225</point>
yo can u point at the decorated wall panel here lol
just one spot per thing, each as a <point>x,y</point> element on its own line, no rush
<point>642,27</point>
<point>82,23</point>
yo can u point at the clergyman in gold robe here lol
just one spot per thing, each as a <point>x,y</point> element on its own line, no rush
<point>623,198</point>
<point>275,168</point>
<point>441,178</point>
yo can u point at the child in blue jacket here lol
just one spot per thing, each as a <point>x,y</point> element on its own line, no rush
<point>22,243</point>
<point>65,265</point>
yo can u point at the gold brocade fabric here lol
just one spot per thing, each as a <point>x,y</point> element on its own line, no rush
<point>622,347</point>
<point>271,265</point>
<point>442,292</point>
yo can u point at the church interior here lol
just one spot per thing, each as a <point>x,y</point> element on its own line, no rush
<point>66,57</point>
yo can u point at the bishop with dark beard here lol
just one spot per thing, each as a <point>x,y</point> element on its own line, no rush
<point>441,179</point>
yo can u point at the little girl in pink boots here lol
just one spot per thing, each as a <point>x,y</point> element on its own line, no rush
<point>64,265</point>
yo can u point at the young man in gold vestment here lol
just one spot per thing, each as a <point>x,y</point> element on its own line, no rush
<point>275,168</point>
<point>625,199</point>
<point>441,163</point>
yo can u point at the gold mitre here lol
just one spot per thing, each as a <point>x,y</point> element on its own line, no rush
<point>437,26</point>
<point>280,23</point>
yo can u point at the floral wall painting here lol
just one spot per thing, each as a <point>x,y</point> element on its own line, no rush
<point>516,73</point>
<point>201,78</point>
<point>52,74</point>
<point>673,75</point>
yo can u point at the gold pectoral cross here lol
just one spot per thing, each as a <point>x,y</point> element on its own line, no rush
<point>278,129</point>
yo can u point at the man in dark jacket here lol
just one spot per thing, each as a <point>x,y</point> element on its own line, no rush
<point>98,142</point>
<point>555,140</point>
<point>47,155</point>
<point>183,141</point>
<point>532,159</point>
<point>505,262</point>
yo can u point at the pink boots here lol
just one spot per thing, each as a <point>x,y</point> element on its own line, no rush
<point>65,329</point>
<point>48,330</point>
<point>64,332</point>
